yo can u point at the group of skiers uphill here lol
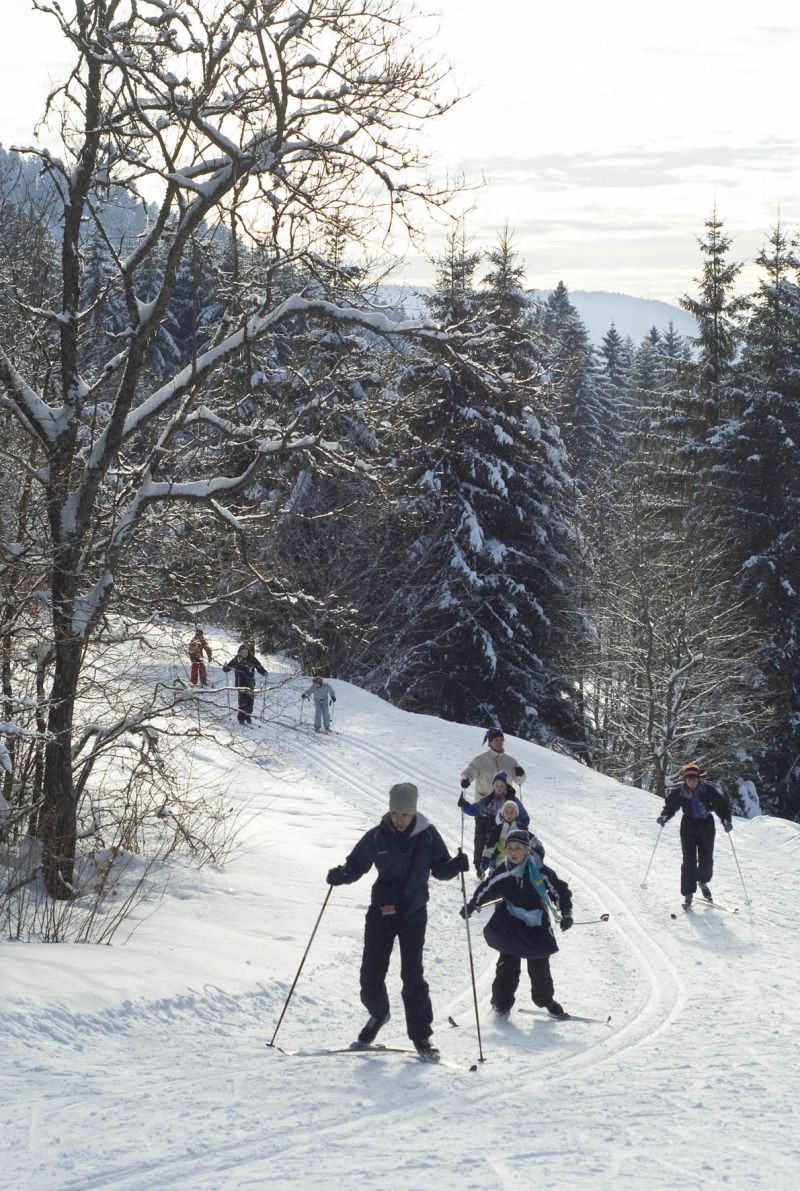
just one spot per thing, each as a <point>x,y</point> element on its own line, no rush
<point>245,665</point>
<point>527,894</point>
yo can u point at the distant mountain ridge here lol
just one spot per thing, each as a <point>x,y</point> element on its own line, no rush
<point>633,317</point>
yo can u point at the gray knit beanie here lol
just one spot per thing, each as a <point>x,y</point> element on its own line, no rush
<point>403,798</point>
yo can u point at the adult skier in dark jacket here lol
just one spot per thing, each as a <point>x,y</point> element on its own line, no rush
<point>520,928</point>
<point>244,666</point>
<point>696,800</point>
<point>406,850</point>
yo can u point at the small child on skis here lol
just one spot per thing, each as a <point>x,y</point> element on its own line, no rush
<point>508,819</point>
<point>322,693</point>
<point>486,810</point>
<point>196,648</point>
<point>520,928</point>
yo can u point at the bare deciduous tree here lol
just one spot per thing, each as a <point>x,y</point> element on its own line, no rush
<point>256,115</point>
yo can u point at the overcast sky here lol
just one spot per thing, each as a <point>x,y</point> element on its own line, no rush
<point>605,133</point>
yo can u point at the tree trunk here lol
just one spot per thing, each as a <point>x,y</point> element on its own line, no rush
<point>58,820</point>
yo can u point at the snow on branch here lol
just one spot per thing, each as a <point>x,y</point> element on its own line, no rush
<point>32,411</point>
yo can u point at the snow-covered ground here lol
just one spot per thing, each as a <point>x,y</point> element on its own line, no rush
<point>145,1065</point>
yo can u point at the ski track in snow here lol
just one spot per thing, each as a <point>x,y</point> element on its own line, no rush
<point>177,1088</point>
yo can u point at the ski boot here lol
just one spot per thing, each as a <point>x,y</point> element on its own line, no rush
<point>370,1030</point>
<point>556,1010</point>
<point>687,902</point>
<point>706,892</point>
<point>427,1052</point>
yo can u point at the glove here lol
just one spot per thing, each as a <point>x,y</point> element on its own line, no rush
<point>468,910</point>
<point>333,698</point>
<point>464,782</point>
<point>662,820</point>
<point>462,800</point>
<point>462,862</point>
<point>337,876</point>
<point>566,922</point>
<point>304,696</point>
<point>519,771</point>
<point>225,669</point>
<point>726,823</point>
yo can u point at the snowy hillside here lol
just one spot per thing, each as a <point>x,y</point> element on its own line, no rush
<point>144,1065</point>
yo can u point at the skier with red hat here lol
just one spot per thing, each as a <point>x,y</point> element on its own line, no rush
<point>696,799</point>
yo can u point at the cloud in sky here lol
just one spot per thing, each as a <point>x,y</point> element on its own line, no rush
<point>605,134</point>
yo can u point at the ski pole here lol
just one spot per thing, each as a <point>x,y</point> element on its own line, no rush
<point>592,921</point>
<point>741,878</point>
<point>228,689</point>
<point>471,964</point>
<point>302,961</point>
<point>302,709</point>
<point>658,837</point>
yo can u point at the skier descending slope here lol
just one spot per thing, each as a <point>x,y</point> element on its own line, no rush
<point>520,925</point>
<point>321,692</point>
<point>696,799</point>
<point>244,666</point>
<point>405,849</point>
<point>482,770</point>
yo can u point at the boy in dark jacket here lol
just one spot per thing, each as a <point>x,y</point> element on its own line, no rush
<point>696,799</point>
<point>406,850</point>
<point>520,925</point>
<point>244,667</point>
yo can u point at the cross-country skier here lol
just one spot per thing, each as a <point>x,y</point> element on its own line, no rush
<point>696,799</point>
<point>244,666</point>
<point>488,808</point>
<point>482,770</point>
<point>195,649</point>
<point>321,692</point>
<point>509,818</point>
<point>520,925</point>
<point>406,850</point>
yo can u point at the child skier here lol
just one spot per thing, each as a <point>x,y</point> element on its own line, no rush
<point>520,925</point>
<point>482,770</point>
<point>485,810</point>
<point>406,850</point>
<point>321,692</point>
<point>195,649</point>
<point>696,799</point>
<point>506,820</point>
<point>244,666</point>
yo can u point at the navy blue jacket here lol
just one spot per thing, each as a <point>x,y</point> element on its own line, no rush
<point>520,924</point>
<point>710,799</point>
<point>405,861</point>
<point>244,669</point>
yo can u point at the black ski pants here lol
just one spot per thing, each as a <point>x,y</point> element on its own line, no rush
<point>246,700</point>
<point>380,933</point>
<point>506,979</point>
<point>481,832</point>
<point>697,846</point>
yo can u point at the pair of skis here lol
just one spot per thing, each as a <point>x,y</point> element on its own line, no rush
<point>707,901</point>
